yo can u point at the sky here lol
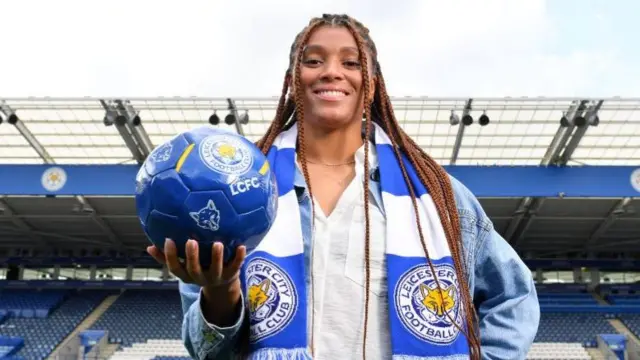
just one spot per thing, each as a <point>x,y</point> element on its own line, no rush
<point>475,48</point>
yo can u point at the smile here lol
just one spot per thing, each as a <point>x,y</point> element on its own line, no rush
<point>330,95</point>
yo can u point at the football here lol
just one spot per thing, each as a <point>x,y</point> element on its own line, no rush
<point>209,185</point>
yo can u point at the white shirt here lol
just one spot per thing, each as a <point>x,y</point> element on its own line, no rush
<point>339,276</point>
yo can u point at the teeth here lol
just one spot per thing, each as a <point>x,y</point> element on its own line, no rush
<point>332,93</point>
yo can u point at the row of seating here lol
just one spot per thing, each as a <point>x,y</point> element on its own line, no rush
<point>30,303</point>
<point>42,335</point>
<point>557,351</point>
<point>153,348</point>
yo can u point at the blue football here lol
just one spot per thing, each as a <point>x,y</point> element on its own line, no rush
<point>209,185</point>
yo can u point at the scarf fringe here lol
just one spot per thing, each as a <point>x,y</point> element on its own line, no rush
<point>411,357</point>
<point>281,354</point>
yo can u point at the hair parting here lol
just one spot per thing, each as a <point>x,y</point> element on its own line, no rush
<point>430,173</point>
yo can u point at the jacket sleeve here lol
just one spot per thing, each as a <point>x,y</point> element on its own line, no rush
<point>506,299</point>
<point>201,339</point>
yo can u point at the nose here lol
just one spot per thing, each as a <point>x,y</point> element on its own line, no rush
<point>332,70</point>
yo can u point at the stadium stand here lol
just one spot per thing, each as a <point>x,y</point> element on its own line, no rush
<point>145,322</point>
<point>44,318</point>
<point>75,281</point>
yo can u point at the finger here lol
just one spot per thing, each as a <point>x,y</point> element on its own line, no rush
<point>193,261</point>
<point>236,264</point>
<point>156,254</point>
<point>171,256</point>
<point>217,260</point>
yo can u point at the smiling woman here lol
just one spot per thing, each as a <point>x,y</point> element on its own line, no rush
<point>376,252</point>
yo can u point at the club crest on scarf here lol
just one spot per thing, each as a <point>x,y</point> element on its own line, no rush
<point>425,310</point>
<point>271,298</point>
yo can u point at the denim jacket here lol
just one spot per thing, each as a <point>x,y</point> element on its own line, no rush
<point>501,285</point>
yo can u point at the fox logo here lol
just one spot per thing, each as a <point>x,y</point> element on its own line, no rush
<point>208,217</point>
<point>438,301</point>
<point>271,298</point>
<point>227,151</point>
<point>258,294</point>
<point>430,313</point>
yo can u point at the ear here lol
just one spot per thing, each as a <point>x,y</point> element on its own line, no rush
<point>424,290</point>
<point>450,291</point>
<point>373,85</point>
<point>265,284</point>
<point>290,84</point>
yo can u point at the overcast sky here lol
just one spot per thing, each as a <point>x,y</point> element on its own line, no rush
<point>240,48</point>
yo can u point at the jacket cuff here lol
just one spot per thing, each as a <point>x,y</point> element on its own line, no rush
<point>230,330</point>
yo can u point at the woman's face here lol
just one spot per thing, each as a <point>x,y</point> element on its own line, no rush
<point>331,78</point>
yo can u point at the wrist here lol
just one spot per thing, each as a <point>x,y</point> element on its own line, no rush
<point>220,303</point>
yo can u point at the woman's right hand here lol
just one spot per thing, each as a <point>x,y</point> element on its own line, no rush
<point>191,272</point>
<point>221,289</point>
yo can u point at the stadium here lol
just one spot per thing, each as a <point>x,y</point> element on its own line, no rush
<point>559,177</point>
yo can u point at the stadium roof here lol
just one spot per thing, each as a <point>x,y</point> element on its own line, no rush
<point>522,131</point>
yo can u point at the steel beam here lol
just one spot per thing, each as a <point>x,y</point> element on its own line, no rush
<point>9,212</point>
<point>618,210</point>
<point>138,131</point>
<point>460,135</point>
<point>234,110</point>
<point>529,206</point>
<point>134,136</point>
<point>106,228</point>
<point>579,133</point>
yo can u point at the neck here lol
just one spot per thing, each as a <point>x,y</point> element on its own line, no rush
<point>336,146</point>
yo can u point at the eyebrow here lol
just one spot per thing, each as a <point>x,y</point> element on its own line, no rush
<point>313,47</point>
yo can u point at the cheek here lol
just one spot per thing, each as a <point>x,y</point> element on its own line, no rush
<point>307,77</point>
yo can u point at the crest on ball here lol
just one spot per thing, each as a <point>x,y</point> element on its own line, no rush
<point>226,154</point>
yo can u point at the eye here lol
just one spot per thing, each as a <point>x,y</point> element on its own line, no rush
<point>352,64</point>
<point>311,62</point>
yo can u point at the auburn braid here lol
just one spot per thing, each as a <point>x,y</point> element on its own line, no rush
<point>366,78</point>
<point>302,153</point>
<point>430,173</point>
<point>437,180</point>
<point>276,126</point>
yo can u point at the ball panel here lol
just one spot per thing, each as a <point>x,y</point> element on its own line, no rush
<point>143,198</point>
<point>257,224</point>
<point>167,192</point>
<point>198,177</point>
<point>198,134</point>
<point>161,226</point>
<point>165,156</point>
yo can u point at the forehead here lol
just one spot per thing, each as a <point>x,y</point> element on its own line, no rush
<point>332,37</point>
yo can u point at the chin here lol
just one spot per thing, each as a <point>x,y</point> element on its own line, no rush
<point>332,118</point>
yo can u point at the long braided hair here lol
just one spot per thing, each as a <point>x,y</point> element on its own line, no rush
<point>431,174</point>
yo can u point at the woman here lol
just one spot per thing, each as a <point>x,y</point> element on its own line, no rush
<point>371,237</point>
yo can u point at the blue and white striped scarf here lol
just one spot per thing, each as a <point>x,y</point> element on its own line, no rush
<point>273,275</point>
